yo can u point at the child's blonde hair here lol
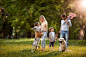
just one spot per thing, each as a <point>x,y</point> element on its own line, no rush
<point>51,28</point>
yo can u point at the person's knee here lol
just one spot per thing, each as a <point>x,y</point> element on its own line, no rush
<point>49,45</point>
<point>61,36</point>
<point>53,45</point>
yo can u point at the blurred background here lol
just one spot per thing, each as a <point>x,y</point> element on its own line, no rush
<point>17,17</point>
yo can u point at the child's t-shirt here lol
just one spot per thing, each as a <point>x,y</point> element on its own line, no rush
<point>52,36</point>
<point>37,28</point>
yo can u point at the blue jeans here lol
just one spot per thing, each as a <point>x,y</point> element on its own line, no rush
<point>66,34</point>
<point>43,39</point>
<point>38,39</point>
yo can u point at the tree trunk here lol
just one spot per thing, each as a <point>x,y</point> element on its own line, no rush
<point>2,35</point>
<point>10,32</point>
<point>31,34</point>
<point>3,30</point>
<point>15,37</point>
<point>82,31</point>
<point>28,34</point>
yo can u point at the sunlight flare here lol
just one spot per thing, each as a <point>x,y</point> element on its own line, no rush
<point>83,3</point>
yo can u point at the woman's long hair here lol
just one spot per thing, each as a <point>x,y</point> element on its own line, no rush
<point>44,19</point>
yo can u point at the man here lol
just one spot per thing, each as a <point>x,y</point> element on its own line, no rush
<point>64,30</point>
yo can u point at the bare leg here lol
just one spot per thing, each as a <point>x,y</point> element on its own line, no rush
<point>43,49</point>
<point>50,48</point>
<point>53,48</point>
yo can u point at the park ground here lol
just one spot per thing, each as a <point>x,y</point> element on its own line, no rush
<point>22,48</point>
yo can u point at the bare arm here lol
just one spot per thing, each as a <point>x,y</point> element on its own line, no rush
<point>49,38</point>
<point>60,30</point>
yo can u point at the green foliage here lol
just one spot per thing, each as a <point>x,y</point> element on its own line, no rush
<point>24,13</point>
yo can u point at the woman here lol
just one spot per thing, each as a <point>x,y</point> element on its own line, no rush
<point>44,29</point>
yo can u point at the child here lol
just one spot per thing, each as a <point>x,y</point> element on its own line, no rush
<point>37,27</point>
<point>51,38</point>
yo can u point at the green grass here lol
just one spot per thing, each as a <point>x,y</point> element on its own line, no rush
<point>22,48</point>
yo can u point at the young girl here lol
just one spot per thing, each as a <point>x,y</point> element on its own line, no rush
<point>37,27</point>
<point>51,38</point>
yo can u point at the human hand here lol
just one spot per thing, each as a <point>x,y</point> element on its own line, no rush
<point>50,40</point>
<point>55,41</point>
<point>59,31</point>
<point>66,20</point>
<point>31,28</point>
<point>56,38</point>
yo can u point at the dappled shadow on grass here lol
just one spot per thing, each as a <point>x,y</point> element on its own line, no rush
<point>29,42</point>
<point>18,43</point>
<point>39,53</point>
<point>54,53</point>
<point>28,53</point>
<point>22,41</point>
<point>25,51</point>
<point>71,42</point>
<point>77,42</point>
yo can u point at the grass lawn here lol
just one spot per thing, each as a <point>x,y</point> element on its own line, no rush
<point>22,48</point>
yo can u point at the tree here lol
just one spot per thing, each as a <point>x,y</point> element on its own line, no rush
<point>6,29</point>
<point>24,13</point>
<point>81,13</point>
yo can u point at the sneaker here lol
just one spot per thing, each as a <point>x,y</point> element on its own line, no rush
<point>52,50</point>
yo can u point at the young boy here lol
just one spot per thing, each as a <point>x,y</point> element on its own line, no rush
<point>51,38</point>
<point>37,26</point>
<point>64,30</point>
